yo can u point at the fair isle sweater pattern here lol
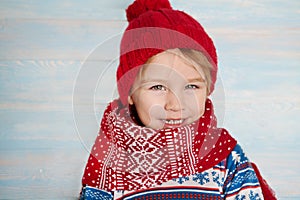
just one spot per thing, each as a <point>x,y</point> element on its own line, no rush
<point>232,179</point>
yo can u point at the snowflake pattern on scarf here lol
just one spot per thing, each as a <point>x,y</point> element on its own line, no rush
<point>209,184</point>
<point>196,161</point>
<point>127,156</point>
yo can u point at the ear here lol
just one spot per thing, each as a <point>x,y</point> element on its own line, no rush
<point>130,100</point>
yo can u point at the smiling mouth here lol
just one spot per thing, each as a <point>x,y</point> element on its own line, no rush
<point>173,122</point>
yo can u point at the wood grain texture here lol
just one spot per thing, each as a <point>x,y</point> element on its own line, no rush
<point>42,152</point>
<point>41,173</point>
<point>58,39</point>
<point>67,9</point>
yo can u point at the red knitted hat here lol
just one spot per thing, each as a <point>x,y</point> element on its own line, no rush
<point>155,27</point>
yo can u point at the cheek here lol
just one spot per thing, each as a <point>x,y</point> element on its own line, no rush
<point>147,105</point>
<point>197,103</point>
<point>157,110</point>
<point>149,102</point>
<point>201,109</point>
<point>201,104</point>
<point>151,116</point>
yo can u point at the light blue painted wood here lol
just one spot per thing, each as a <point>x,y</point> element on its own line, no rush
<point>59,39</point>
<point>67,9</point>
<point>45,173</point>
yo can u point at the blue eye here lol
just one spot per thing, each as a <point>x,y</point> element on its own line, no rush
<point>191,86</point>
<point>158,87</point>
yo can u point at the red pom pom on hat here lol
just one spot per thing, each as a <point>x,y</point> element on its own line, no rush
<point>141,6</point>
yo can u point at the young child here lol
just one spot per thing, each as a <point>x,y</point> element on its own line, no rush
<point>159,139</point>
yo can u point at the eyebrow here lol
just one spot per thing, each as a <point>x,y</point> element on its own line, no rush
<point>153,80</point>
<point>164,81</point>
<point>196,80</point>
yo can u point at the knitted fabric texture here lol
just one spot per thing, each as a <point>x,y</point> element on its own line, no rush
<point>155,27</point>
<point>126,156</point>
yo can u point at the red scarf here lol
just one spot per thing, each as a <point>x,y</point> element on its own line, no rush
<point>127,156</point>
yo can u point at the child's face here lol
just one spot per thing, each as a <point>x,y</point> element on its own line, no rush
<point>169,93</point>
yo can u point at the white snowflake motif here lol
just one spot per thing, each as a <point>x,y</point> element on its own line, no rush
<point>236,157</point>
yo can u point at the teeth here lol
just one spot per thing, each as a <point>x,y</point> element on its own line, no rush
<point>173,122</point>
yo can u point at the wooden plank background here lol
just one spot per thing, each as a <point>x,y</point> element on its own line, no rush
<point>45,45</point>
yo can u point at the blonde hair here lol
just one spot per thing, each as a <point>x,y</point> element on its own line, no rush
<point>194,58</point>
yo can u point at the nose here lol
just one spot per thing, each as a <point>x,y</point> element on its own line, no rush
<point>173,102</point>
